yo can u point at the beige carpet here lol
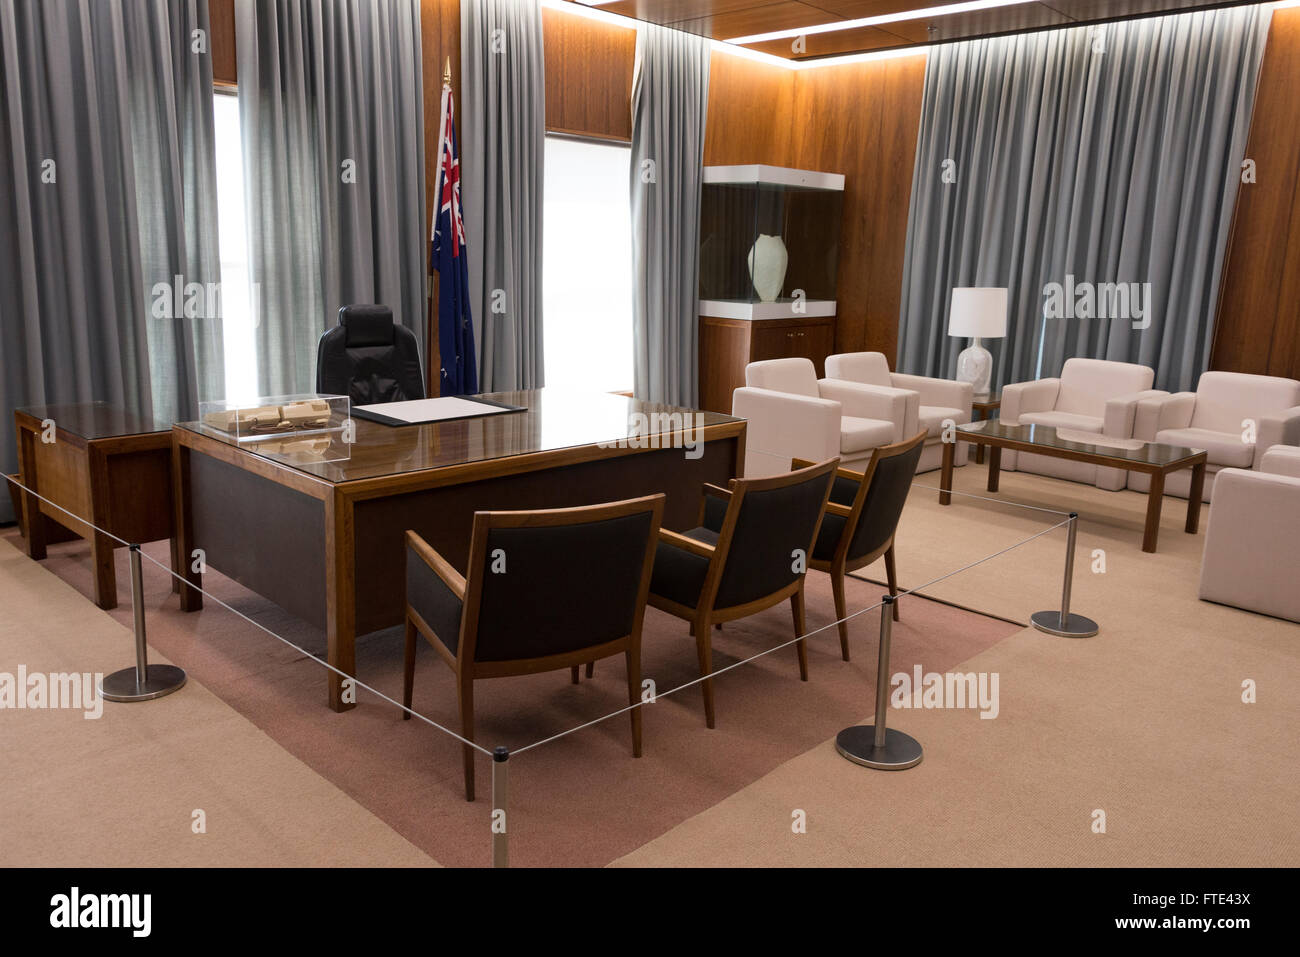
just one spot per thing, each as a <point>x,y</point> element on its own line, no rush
<point>122,790</point>
<point>1144,722</point>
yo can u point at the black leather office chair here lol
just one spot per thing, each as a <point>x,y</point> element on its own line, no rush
<point>742,558</point>
<point>572,589</point>
<point>369,357</point>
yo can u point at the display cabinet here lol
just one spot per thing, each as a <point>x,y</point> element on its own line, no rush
<point>297,428</point>
<point>769,255</point>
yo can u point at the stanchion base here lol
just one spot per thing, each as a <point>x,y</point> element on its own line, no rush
<point>858,744</point>
<point>1074,626</point>
<point>159,680</point>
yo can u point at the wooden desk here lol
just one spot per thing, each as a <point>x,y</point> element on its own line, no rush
<point>109,468</point>
<point>325,540</point>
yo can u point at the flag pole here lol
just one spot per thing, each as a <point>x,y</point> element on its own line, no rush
<point>434,377</point>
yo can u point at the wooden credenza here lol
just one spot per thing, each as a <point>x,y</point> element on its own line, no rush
<point>728,345</point>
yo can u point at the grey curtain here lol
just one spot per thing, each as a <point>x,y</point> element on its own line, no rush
<point>107,190</point>
<point>332,120</point>
<point>670,98</point>
<point>503,143</point>
<point>1110,154</point>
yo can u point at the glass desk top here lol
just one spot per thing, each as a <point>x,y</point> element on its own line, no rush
<point>1083,443</point>
<point>552,420</point>
<point>94,420</point>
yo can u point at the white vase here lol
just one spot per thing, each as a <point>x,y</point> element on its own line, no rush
<point>768,260</point>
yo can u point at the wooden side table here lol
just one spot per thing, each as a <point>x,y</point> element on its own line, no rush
<point>109,468</point>
<point>983,407</point>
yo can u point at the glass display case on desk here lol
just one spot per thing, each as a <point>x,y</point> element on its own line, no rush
<point>769,253</point>
<point>294,429</point>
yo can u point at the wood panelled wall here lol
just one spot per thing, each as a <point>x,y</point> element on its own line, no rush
<point>1258,327</point>
<point>221,21</point>
<point>861,119</point>
<point>588,76</point>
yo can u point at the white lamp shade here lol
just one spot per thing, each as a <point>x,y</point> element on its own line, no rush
<point>978,312</point>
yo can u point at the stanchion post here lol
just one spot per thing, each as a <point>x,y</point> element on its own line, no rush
<point>144,682</point>
<point>500,800</point>
<point>1063,623</point>
<point>877,746</point>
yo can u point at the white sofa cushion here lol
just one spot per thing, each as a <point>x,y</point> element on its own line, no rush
<point>1281,460</point>
<point>1063,420</point>
<point>795,376</point>
<point>931,418</point>
<point>857,434</point>
<point>1086,384</point>
<point>1224,400</point>
<point>869,368</point>
<point>1224,448</point>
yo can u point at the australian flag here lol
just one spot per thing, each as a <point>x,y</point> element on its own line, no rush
<point>455,323</point>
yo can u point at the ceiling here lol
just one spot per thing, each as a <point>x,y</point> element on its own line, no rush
<point>732,19</point>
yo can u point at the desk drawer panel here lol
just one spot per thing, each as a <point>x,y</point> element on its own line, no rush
<point>268,538</point>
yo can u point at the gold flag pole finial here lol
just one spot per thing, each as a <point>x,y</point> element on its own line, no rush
<point>446,73</point>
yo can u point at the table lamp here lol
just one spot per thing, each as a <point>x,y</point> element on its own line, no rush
<point>979,312</point>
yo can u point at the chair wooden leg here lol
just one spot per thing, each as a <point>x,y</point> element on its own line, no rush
<point>841,611</point>
<point>800,646</point>
<point>573,675</point>
<point>408,678</point>
<point>633,695</point>
<point>466,695</point>
<point>591,668</point>
<point>704,648</point>
<point>891,576</point>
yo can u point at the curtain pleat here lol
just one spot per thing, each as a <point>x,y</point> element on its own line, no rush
<point>331,116</point>
<point>670,94</point>
<point>503,147</point>
<point>1109,154</point>
<point>107,188</point>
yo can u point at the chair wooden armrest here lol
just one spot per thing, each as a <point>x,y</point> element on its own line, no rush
<point>835,508</point>
<point>852,476</point>
<point>695,547</point>
<point>450,577</point>
<point>717,491</point>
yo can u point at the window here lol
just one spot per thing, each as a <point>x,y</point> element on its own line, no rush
<point>236,290</point>
<point>587,265</point>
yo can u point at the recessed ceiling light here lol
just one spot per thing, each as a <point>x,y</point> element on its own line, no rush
<point>946,10</point>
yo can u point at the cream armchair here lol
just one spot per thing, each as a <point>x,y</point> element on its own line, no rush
<point>1231,415</point>
<point>1252,549</point>
<point>939,400</point>
<point>1090,395</point>
<point>792,414</point>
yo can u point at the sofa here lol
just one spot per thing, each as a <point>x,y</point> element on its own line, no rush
<point>1252,542</point>
<point>1090,395</point>
<point>1234,416</point>
<point>792,414</point>
<point>940,400</point>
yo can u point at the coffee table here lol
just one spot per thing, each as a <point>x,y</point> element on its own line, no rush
<point>983,405</point>
<point>1134,455</point>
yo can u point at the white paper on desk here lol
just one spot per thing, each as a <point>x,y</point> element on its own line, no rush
<point>431,410</point>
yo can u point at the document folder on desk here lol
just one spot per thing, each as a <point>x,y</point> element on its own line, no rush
<point>446,408</point>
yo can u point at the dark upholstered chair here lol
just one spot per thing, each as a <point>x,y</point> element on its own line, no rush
<point>749,553</point>
<point>369,357</point>
<point>861,519</point>
<point>546,590</point>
